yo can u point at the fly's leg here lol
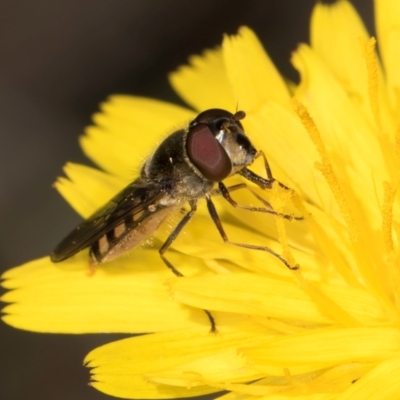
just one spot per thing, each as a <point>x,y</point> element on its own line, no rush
<point>171,238</point>
<point>266,165</point>
<point>262,182</point>
<point>238,187</point>
<point>259,180</point>
<point>214,215</point>
<point>268,170</point>
<point>173,235</point>
<point>92,266</point>
<point>225,192</point>
<point>92,263</point>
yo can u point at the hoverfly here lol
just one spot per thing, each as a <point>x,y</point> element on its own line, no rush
<point>190,164</point>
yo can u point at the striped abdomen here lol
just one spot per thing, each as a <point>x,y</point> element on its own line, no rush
<point>128,234</point>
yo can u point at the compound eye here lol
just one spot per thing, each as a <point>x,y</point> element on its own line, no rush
<point>207,154</point>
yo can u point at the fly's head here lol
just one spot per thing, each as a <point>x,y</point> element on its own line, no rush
<point>217,145</point>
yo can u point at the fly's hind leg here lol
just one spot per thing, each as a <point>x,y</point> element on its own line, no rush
<point>171,238</point>
<point>214,215</point>
<point>93,263</point>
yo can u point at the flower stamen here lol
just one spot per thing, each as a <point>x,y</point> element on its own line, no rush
<point>397,152</point>
<point>365,265</point>
<point>326,167</point>
<point>281,197</point>
<point>387,216</point>
<point>373,80</point>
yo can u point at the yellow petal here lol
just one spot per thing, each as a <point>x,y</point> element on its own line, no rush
<point>339,37</point>
<point>279,133</point>
<point>222,366</point>
<point>127,295</point>
<point>324,348</point>
<point>381,383</point>
<point>203,83</point>
<point>275,297</point>
<point>252,75</point>
<point>279,396</point>
<point>129,368</point>
<point>337,33</point>
<point>322,384</point>
<point>248,294</point>
<point>127,130</point>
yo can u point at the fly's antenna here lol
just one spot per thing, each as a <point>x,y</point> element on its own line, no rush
<point>237,106</point>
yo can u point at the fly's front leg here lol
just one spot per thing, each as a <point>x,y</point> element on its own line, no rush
<point>268,170</point>
<point>171,238</point>
<point>225,192</point>
<point>257,179</point>
<point>214,215</point>
<point>92,266</point>
<point>263,183</point>
<point>266,165</point>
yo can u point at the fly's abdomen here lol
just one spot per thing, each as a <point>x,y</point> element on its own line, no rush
<point>112,243</point>
<point>128,234</point>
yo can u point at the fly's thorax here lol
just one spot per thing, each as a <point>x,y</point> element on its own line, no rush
<point>170,167</point>
<point>168,159</point>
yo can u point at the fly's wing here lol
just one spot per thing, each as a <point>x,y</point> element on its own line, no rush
<point>132,200</point>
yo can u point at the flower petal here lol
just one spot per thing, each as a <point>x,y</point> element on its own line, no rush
<point>324,348</point>
<point>274,297</point>
<point>248,294</point>
<point>323,384</point>
<point>381,383</point>
<point>279,133</point>
<point>130,368</point>
<point>121,296</point>
<point>203,83</point>
<point>253,77</point>
<point>339,37</point>
<point>337,32</point>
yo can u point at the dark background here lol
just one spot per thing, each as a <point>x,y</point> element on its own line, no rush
<point>58,60</point>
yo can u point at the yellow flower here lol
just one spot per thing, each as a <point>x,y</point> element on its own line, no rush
<point>327,331</point>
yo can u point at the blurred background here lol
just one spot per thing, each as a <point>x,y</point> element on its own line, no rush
<point>58,61</point>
